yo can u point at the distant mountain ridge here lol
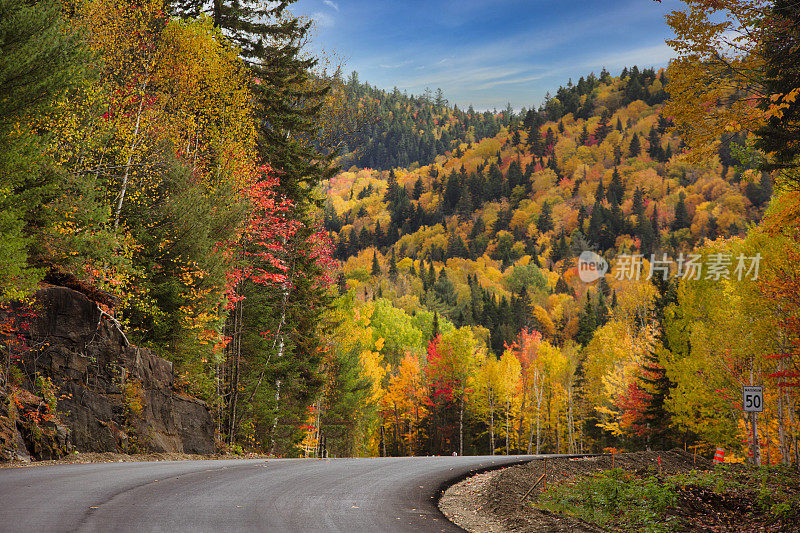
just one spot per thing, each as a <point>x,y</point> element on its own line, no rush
<point>415,129</point>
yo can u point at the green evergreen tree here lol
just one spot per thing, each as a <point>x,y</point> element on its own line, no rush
<point>617,154</point>
<point>602,309</point>
<point>376,268</point>
<point>584,136</point>
<point>561,286</point>
<point>545,221</point>
<point>654,380</point>
<point>393,265</point>
<point>655,150</point>
<point>587,324</point>
<point>40,59</point>
<point>418,189</point>
<point>616,190</point>
<point>635,147</point>
<point>779,136</point>
<point>682,219</point>
<point>582,214</point>
<point>603,127</point>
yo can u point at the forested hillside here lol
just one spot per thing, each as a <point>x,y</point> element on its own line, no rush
<point>397,129</point>
<point>464,325</point>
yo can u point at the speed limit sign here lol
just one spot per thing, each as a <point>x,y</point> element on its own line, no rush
<point>753,399</point>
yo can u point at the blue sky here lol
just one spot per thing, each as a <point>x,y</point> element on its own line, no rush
<point>487,53</point>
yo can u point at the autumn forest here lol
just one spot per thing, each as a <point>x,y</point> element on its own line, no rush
<point>337,269</point>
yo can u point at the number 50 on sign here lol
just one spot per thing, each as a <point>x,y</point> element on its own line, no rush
<point>753,399</point>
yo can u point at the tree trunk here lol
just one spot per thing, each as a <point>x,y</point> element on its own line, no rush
<point>461,426</point>
<point>217,13</point>
<point>236,356</point>
<point>522,406</point>
<point>507,428</point>
<point>538,396</point>
<point>129,161</point>
<point>396,430</point>
<point>275,420</point>
<point>538,426</point>
<point>781,429</point>
<point>570,420</point>
<point>491,424</point>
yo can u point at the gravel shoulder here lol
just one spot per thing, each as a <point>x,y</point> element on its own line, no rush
<point>110,457</point>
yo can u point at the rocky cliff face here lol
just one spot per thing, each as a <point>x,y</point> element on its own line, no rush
<point>111,395</point>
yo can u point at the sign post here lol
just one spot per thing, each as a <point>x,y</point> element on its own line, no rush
<point>753,403</point>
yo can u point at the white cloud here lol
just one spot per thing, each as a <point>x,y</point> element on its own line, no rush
<point>331,4</point>
<point>395,65</point>
<point>323,20</point>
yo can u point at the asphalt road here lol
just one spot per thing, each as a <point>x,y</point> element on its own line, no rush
<point>304,495</point>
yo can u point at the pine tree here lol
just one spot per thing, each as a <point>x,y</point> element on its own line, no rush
<point>602,309</point>
<point>596,223</point>
<point>605,287</point>
<point>550,140</point>
<point>603,128</point>
<point>582,214</point>
<point>654,379</point>
<point>40,59</point>
<point>779,136</point>
<point>393,266</point>
<point>561,286</point>
<point>376,268</point>
<point>682,219</point>
<point>616,191</point>
<point>535,139</point>
<point>635,147</point>
<point>418,189</point>
<point>599,193</point>
<point>587,323</point>
<point>545,220</point>
<point>655,224</point>
<point>655,151</point>
<point>584,136</point>
<point>638,202</point>
<point>379,238</point>
<point>617,155</point>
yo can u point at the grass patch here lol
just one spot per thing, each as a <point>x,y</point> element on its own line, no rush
<point>643,501</point>
<point>614,498</point>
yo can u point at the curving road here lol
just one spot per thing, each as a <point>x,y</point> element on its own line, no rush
<point>303,495</point>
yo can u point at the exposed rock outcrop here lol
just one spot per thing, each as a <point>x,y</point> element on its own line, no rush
<point>111,396</point>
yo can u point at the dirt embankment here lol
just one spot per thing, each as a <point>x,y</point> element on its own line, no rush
<point>505,500</point>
